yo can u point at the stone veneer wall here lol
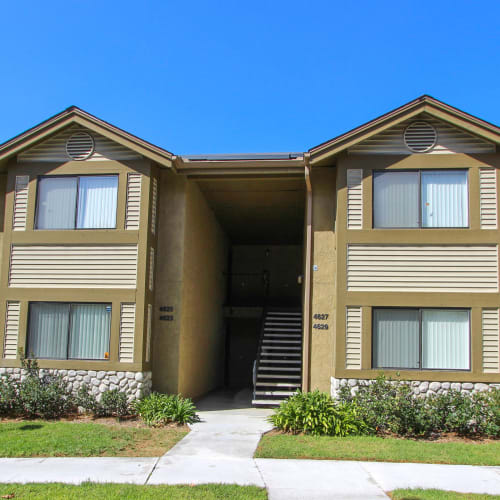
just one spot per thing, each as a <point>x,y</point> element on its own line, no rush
<point>134,384</point>
<point>419,388</point>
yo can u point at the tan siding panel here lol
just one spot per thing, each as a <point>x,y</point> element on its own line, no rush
<point>425,268</point>
<point>127,332</point>
<point>151,268</point>
<point>54,148</point>
<point>148,334</point>
<point>133,208</point>
<point>20,203</point>
<point>11,330</point>
<point>488,197</point>
<point>67,266</point>
<point>491,341</point>
<point>353,338</point>
<point>450,140</point>
<point>154,205</point>
<point>354,199</point>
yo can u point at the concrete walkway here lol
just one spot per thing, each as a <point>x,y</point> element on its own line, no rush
<point>219,449</point>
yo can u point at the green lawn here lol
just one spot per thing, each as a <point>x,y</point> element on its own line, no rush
<point>370,448</point>
<point>438,495</point>
<point>39,438</point>
<point>86,491</point>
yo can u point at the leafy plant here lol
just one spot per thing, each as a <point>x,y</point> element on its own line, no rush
<point>113,404</point>
<point>8,395</point>
<point>160,409</point>
<point>317,413</point>
<point>391,407</point>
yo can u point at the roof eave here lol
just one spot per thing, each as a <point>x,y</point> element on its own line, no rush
<point>75,115</point>
<point>438,109</point>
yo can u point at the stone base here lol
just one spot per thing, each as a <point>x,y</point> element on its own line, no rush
<point>134,384</point>
<point>419,388</point>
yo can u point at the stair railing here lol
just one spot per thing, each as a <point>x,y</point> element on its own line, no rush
<point>256,363</point>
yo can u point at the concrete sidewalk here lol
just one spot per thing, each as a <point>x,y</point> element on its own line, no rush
<point>220,449</point>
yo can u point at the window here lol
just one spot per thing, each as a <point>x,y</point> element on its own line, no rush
<point>83,202</point>
<point>69,331</point>
<point>428,339</point>
<point>427,198</point>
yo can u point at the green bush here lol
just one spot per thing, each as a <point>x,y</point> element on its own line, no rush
<point>160,409</point>
<point>8,396</point>
<point>113,403</point>
<point>44,397</point>
<point>317,413</point>
<point>390,407</point>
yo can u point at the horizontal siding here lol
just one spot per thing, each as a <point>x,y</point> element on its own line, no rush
<point>450,139</point>
<point>127,332</point>
<point>488,197</point>
<point>149,333</point>
<point>151,268</point>
<point>67,266</point>
<point>154,205</point>
<point>353,338</point>
<point>354,199</point>
<point>423,268</point>
<point>54,148</point>
<point>12,315</point>
<point>20,203</point>
<point>491,348</point>
<point>133,206</point>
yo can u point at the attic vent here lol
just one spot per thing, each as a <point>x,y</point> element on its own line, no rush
<point>420,137</point>
<point>80,146</point>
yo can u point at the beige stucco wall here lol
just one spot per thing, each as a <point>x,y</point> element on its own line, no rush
<point>168,281</point>
<point>324,278</point>
<point>201,355</point>
<point>188,351</point>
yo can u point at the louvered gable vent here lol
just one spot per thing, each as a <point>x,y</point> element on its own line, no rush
<point>420,137</point>
<point>80,146</point>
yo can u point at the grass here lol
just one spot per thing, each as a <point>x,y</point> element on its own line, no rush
<point>54,491</point>
<point>438,495</point>
<point>40,438</point>
<point>371,448</point>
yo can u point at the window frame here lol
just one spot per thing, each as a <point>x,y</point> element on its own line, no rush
<point>68,333</point>
<point>419,171</point>
<point>420,325</point>
<point>77,176</point>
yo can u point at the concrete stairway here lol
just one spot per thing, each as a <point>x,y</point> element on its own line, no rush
<point>278,371</point>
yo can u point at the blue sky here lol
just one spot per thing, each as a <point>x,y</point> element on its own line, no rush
<point>260,76</point>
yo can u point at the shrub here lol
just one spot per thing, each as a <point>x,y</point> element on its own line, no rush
<point>390,407</point>
<point>8,395</point>
<point>317,413</point>
<point>113,404</point>
<point>160,409</point>
<point>44,397</point>
<point>85,400</point>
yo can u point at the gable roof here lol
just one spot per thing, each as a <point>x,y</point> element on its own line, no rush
<point>425,103</point>
<point>75,115</point>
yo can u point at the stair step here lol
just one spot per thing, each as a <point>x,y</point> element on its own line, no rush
<point>282,376</point>
<point>272,329</point>
<point>278,384</point>
<point>275,348</point>
<point>282,341</point>
<point>282,354</point>
<point>274,393</point>
<point>284,313</point>
<point>276,369</point>
<point>283,335</point>
<point>272,323</point>
<point>281,361</point>
<point>266,402</point>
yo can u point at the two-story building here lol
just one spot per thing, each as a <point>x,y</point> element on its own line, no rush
<point>123,265</point>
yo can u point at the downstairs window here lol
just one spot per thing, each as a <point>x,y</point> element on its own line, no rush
<point>60,330</point>
<point>425,339</point>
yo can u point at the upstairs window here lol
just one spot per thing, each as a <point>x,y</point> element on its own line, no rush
<point>77,202</point>
<point>427,198</point>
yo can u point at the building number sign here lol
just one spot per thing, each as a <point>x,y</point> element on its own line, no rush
<point>320,317</point>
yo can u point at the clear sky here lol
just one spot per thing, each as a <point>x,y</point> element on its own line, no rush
<point>255,76</point>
